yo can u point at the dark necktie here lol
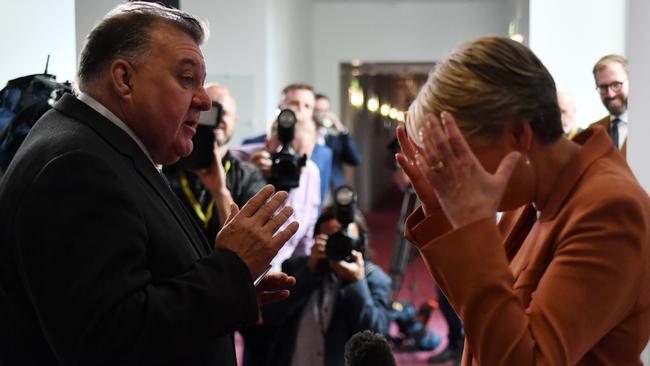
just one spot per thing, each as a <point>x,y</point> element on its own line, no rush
<point>613,131</point>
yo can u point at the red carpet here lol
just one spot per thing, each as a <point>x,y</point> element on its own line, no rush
<point>417,286</point>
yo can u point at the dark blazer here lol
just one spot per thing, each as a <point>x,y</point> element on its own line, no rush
<point>344,150</point>
<point>605,122</point>
<point>99,262</point>
<point>359,306</point>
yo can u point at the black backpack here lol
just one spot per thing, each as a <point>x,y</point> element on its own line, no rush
<point>22,102</point>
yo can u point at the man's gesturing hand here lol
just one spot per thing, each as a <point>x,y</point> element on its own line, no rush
<point>249,232</point>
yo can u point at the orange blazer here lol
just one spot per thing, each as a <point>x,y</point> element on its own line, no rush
<point>604,122</point>
<point>569,285</point>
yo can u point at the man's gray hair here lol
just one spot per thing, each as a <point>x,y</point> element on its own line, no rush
<point>125,32</point>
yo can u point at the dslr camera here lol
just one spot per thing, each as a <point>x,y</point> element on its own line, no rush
<point>202,155</point>
<point>286,164</point>
<point>341,244</point>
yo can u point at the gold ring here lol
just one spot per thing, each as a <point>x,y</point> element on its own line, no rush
<point>438,166</point>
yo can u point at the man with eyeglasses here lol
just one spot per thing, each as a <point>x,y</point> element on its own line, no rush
<point>610,73</point>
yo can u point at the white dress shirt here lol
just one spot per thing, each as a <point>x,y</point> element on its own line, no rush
<point>101,109</point>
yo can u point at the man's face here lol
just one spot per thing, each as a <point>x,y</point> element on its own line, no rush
<point>568,111</point>
<point>225,127</point>
<point>322,105</point>
<point>167,94</point>
<point>606,80</point>
<point>301,101</point>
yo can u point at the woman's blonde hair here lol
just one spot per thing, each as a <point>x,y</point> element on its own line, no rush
<point>485,83</point>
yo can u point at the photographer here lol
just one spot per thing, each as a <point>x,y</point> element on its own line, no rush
<point>211,179</point>
<point>332,299</point>
<point>333,134</point>
<point>305,197</point>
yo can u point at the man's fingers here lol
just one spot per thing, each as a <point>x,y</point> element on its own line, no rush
<point>234,210</point>
<point>280,238</point>
<point>257,201</point>
<point>280,218</point>
<point>269,297</point>
<point>266,211</point>
<point>275,281</point>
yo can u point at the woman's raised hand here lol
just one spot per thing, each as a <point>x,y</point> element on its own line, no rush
<point>445,173</point>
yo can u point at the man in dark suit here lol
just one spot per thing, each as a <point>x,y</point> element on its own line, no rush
<point>333,134</point>
<point>99,262</point>
<point>610,73</point>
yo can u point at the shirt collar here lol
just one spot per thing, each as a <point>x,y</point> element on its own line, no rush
<point>101,109</point>
<point>622,118</point>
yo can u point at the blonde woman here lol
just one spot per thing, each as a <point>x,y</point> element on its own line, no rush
<point>564,277</point>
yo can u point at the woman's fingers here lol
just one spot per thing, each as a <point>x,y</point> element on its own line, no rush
<point>457,141</point>
<point>438,141</point>
<point>405,143</point>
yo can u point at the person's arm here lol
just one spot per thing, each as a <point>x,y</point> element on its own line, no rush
<point>276,314</point>
<point>214,180</point>
<point>589,286</point>
<point>595,258</point>
<point>84,259</point>
<point>364,298</point>
<point>349,151</point>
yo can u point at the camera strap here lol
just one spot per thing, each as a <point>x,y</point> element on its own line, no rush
<point>206,215</point>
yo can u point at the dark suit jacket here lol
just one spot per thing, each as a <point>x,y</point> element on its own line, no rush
<point>100,264</point>
<point>605,122</point>
<point>344,151</point>
<point>570,287</point>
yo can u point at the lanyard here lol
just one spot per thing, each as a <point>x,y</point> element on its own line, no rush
<point>203,216</point>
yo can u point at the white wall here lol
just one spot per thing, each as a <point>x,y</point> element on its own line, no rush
<point>30,31</point>
<point>394,32</point>
<point>235,55</point>
<point>638,149</point>
<point>569,37</point>
<point>289,46</point>
<point>87,14</point>
<point>256,47</point>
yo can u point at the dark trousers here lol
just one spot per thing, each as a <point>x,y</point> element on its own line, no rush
<point>456,336</point>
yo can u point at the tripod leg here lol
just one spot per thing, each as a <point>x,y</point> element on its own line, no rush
<point>403,253</point>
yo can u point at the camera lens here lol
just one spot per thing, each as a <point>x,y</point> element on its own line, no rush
<point>286,118</point>
<point>344,196</point>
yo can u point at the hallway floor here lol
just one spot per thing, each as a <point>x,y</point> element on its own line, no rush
<point>417,286</point>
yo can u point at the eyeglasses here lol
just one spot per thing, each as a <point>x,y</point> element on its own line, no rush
<point>614,85</point>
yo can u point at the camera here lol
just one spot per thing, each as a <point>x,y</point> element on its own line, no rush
<point>341,244</point>
<point>202,155</point>
<point>286,164</point>
<point>323,119</point>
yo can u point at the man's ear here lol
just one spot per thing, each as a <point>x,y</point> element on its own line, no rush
<point>122,74</point>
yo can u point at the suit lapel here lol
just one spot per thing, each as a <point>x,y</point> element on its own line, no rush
<point>125,145</point>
